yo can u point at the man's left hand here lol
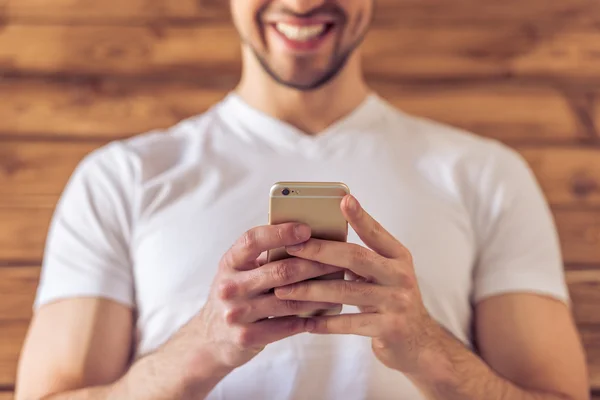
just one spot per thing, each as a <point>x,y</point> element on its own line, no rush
<point>384,287</point>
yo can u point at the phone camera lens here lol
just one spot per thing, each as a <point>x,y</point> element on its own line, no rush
<point>285,192</point>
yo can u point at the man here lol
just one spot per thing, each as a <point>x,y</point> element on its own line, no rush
<point>142,295</point>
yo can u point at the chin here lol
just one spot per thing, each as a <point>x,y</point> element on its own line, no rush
<point>302,84</point>
<point>300,73</point>
<point>303,77</point>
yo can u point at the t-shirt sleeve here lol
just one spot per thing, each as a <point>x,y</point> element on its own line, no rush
<point>518,245</point>
<point>87,247</point>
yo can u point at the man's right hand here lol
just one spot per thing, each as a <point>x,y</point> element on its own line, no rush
<point>242,315</point>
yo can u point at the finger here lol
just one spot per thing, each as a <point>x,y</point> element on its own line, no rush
<point>280,273</point>
<point>269,306</point>
<point>371,232</point>
<point>363,324</point>
<point>243,254</point>
<point>358,259</point>
<point>262,333</point>
<point>336,291</point>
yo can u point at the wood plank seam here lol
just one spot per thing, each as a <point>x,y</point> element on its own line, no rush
<point>457,82</point>
<point>582,106</point>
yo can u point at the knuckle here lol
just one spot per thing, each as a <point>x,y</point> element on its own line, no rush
<point>317,247</point>
<point>406,256</point>
<point>285,270</point>
<point>360,255</point>
<point>227,290</point>
<point>228,259</point>
<point>248,240</point>
<point>322,325</point>
<point>346,324</point>
<point>244,338</point>
<point>294,325</point>
<point>410,281</point>
<point>366,289</point>
<point>406,278</point>
<point>395,326</point>
<point>345,288</point>
<point>280,233</point>
<point>364,323</point>
<point>399,299</point>
<point>233,314</point>
<point>292,305</point>
<point>356,288</point>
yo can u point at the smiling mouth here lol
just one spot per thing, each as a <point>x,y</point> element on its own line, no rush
<point>303,33</point>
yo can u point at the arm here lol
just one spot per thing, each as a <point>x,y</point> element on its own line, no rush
<point>80,349</point>
<point>530,350</point>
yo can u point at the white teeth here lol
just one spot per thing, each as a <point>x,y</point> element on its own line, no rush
<point>300,33</point>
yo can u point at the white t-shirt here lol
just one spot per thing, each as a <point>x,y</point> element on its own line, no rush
<point>144,221</point>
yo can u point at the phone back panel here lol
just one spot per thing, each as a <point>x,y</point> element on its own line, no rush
<point>314,204</point>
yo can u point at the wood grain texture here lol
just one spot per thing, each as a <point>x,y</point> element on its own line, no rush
<point>115,11</point>
<point>13,336</point>
<point>23,233</point>
<point>106,109</point>
<point>110,109</point>
<point>38,169</point>
<point>584,288</point>
<point>591,341</point>
<point>568,176</point>
<point>17,291</point>
<point>6,395</point>
<point>553,12</point>
<point>511,112</point>
<point>580,235</point>
<point>416,53</point>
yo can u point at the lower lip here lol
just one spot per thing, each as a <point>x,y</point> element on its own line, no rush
<point>307,46</point>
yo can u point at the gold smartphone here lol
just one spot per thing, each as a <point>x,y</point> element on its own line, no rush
<point>316,204</point>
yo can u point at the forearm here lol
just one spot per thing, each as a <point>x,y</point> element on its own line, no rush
<point>458,374</point>
<point>161,375</point>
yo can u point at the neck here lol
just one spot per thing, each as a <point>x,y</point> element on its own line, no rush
<point>311,112</point>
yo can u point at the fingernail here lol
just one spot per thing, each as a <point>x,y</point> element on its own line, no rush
<point>310,325</point>
<point>302,232</point>
<point>283,291</point>
<point>295,248</point>
<point>353,204</point>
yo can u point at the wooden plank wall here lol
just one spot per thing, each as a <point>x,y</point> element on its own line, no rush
<point>75,74</point>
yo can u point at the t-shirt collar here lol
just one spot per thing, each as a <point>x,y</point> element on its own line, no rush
<point>247,120</point>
